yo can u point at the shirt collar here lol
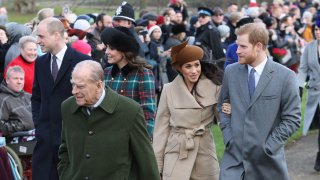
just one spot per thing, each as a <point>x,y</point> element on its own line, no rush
<point>258,68</point>
<point>100,99</point>
<point>61,53</point>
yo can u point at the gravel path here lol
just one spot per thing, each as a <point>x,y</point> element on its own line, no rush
<point>301,158</point>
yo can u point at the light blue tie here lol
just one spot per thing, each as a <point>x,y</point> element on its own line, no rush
<point>252,82</point>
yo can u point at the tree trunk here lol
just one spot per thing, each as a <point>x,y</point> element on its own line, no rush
<point>24,6</point>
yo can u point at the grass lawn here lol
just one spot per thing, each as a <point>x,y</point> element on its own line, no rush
<point>24,18</point>
<point>218,135</point>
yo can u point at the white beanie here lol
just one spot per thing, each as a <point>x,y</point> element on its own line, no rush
<point>224,30</point>
<point>81,24</point>
<point>153,28</point>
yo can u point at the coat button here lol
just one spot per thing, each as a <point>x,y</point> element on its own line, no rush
<point>121,91</point>
<point>125,79</point>
<point>90,133</point>
<point>86,178</point>
<point>88,156</point>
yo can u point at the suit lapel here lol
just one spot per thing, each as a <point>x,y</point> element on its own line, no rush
<point>64,66</point>
<point>46,65</point>
<point>264,80</point>
<point>243,75</point>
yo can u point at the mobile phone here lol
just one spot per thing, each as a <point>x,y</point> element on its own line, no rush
<point>66,9</point>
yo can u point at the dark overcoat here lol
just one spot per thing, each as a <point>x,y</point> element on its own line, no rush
<point>111,143</point>
<point>47,96</point>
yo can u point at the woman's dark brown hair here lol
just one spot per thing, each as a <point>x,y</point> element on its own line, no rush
<point>136,61</point>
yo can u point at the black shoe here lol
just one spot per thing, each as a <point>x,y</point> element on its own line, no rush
<point>317,165</point>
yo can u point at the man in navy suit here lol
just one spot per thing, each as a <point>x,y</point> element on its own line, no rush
<point>51,87</point>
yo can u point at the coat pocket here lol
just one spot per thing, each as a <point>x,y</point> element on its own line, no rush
<point>269,97</point>
<point>170,157</point>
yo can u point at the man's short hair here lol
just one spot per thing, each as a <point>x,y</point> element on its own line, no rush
<point>25,39</point>
<point>45,13</point>
<point>257,33</point>
<point>15,68</point>
<point>100,18</point>
<point>54,25</point>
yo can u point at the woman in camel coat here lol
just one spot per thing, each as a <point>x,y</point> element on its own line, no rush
<point>183,141</point>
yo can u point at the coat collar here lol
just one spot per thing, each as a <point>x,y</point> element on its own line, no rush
<point>184,99</point>
<point>109,103</point>
<point>125,70</point>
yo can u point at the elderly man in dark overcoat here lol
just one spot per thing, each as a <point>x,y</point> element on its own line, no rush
<point>104,134</point>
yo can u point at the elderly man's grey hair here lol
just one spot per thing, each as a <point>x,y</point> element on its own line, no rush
<point>95,68</point>
<point>15,68</point>
<point>25,39</point>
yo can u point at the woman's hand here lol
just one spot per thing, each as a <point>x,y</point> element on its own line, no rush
<point>226,108</point>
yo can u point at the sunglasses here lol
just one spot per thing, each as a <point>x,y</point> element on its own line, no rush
<point>202,16</point>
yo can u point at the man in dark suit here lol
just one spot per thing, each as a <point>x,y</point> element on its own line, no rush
<point>104,135</point>
<point>51,87</point>
<point>265,110</point>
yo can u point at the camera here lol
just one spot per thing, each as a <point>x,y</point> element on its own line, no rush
<point>143,32</point>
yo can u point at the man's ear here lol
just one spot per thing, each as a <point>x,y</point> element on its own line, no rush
<point>57,35</point>
<point>99,84</point>
<point>259,47</point>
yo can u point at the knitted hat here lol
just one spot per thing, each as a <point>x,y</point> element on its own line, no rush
<point>184,53</point>
<point>224,30</point>
<point>253,3</point>
<point>86,17</point>
<point>152,28</point>
<point>253,9</point>
<point>81,46</point>
<point>125,11</point>
<point>81,24</point>
<point>160,20</point>
<point>121,39</point>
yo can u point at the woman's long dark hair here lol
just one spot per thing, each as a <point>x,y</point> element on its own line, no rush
<point>212,72</point>
<point>136,61</point>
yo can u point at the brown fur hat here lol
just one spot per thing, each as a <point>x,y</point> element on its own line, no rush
<point>184,53</point>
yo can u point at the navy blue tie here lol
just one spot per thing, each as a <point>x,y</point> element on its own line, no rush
<point>252,82</point>
<point>54,68</point>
